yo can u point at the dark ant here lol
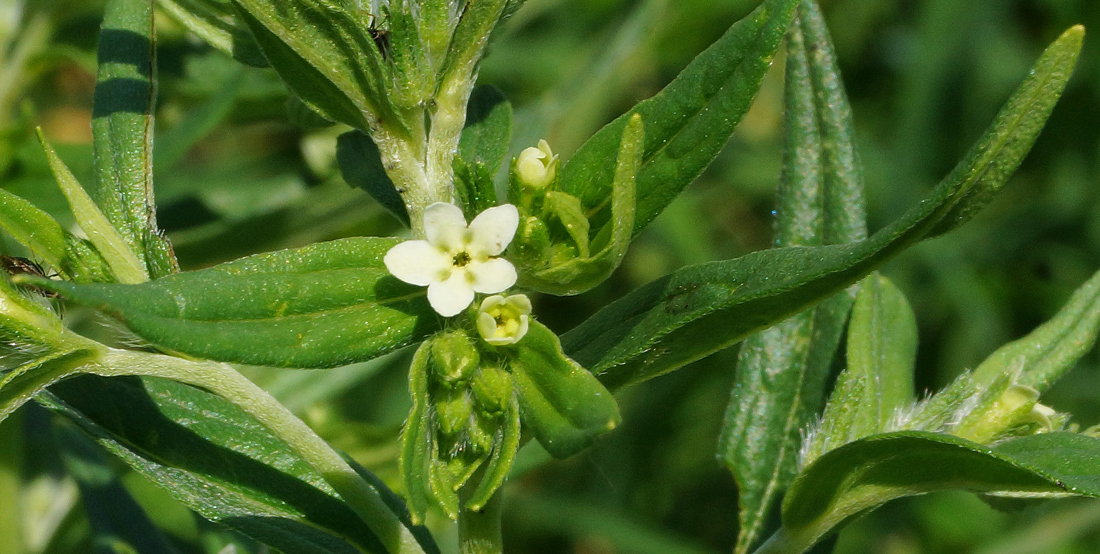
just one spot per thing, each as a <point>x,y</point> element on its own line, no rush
<point>15,265</point>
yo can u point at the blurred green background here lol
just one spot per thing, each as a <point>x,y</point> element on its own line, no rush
<point>236,174</point>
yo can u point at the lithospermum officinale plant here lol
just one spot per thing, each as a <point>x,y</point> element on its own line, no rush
<point>487,377</point>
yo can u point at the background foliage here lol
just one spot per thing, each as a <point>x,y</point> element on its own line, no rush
<point>239,172</point>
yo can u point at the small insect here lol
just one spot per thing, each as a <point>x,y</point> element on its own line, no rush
<point>381,37</point>
<point>15,265</point>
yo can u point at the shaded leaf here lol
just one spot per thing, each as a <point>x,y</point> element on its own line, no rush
<point>362,167</point>
<point>190,443</point>
<point>114,515</point>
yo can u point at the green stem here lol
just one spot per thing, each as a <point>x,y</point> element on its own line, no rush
<point>479,532</point>
<point>223,380</point>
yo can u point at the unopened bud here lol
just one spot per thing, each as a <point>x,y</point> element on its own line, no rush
<point>454,357</point>
<point>537,167</point>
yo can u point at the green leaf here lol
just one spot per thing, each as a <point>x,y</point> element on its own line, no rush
<point>414,80</point>
<point>362,167</point>
<point>324,305</point>
<point>325,54</point>
<point>689,121</point>
<point>882,350</point>
<point>122,125</point>
<point>610,243</point>
<point>103,235</point>
<point>488,131</point>
<point>1015,129</point>
<point>189,442</point>
<point>864,474</point>
<point>562,403</point>
<point>216,23</point>
<point>1055,346</point>
<point>699,309</point>
<point>33,228</point>
<point>114,516</point>
<point>782,371</point>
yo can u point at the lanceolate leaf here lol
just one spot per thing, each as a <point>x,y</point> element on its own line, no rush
<point>700,309</point>
<point>218,461</point>
<point>781,371</point>
<point>122,121</point>
<point>1053,348</point>
<point>688,122</point>
<point>861,475</point>
<point>323,305</point>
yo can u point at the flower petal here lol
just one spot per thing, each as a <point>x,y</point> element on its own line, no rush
<point>451,296</point>
<point>491,276</point>
<point>444,226</point>
<point>416,262</point>
<point>493,230</point>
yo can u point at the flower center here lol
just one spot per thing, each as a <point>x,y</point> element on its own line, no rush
<point>461,259</point>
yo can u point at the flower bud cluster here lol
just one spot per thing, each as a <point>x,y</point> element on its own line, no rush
<point>474,420</point>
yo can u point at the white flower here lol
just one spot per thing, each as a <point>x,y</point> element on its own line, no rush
<point>503,320</point>
<point>537,167</point>
<point>456,261</point>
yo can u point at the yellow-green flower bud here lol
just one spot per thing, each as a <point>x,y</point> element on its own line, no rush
<point>453,408</point>
<point>1012,408</point>
<point>537,168</point>
<point>454,357</point>
<point>501,320</point>
<point>493,390</point>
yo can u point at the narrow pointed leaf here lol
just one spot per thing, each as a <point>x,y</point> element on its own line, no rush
<point>324,305</point>
<point>504,455</point>
<point>861,475</point>
<point>688,122</point>
<point>782,371</point>
<point>108,241</point>
<point>122,121</point>
<point>700,309</point>
<point>1054,347</point>
<point>217,460</point>
<point>562,403</point>
<point>1015,129</point>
